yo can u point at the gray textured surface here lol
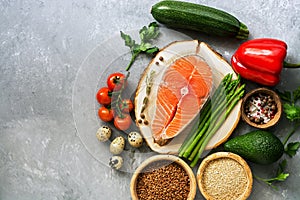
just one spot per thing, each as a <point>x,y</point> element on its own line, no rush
<point>42,45</point>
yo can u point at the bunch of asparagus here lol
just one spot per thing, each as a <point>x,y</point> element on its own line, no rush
<point>212,116</point>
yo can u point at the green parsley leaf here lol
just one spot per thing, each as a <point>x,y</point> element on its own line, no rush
<point>292,148</point>
<point>146,35</point>
<point>296,94</point>
<point>292,111</point>
<point>128,41</point>
<point>281,176</point>
<point>136,50</point>
<point>152,50</point>
<point>144,46</point>
<point>285,96</point>
<point>290,96</point>
<point>282,166</point>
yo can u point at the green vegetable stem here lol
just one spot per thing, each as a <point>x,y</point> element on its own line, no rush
<point>292,112</point>
<point>146,35</point>
<point>204,117</point>
<point>213,115</point>
<point>117,98</point>
<point>281,176</point>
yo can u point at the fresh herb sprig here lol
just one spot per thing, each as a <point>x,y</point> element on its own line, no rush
<point>292,148</point>
<point>281,176</point>
<point>292,112</point>
<point>147,34</point>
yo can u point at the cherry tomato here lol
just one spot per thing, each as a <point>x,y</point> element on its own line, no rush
<point>126,105</point>
<point>105,114</point>
<point>104,96</point>
<point>122,123</point>
<point>115,81</point>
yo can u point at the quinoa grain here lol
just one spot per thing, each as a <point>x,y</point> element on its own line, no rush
<point>224,179</point>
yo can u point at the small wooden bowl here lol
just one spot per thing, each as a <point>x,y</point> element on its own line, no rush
<point>160,161</point>
<point>224,175</point>
<point>276,117</point>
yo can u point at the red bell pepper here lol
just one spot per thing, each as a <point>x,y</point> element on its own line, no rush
<point>261,60</point>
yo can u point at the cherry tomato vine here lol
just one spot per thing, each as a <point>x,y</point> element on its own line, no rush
<point>114,106</point>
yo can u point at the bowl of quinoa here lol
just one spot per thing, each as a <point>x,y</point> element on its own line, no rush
<point>224,176</point>
<point>261,108</point>
<point>163,177</point>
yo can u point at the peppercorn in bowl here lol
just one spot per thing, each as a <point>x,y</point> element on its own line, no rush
<point>163,177</point>
<point>261,108</point>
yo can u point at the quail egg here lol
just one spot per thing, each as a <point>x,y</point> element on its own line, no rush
<point>103,133</point>
<point>117,145</point>
<point>135,139</point>
<point>116,162</point>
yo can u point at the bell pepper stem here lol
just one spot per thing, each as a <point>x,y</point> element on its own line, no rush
<point>291,65</point>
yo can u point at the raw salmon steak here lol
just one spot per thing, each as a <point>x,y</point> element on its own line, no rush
<point>172,91</point>
<point>183,90</point>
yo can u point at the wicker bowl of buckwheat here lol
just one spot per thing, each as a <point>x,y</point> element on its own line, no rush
<point>163,177</point>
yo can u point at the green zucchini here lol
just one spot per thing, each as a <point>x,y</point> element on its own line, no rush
<point>190,16</point>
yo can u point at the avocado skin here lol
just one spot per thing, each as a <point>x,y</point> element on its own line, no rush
<point>258,146</point>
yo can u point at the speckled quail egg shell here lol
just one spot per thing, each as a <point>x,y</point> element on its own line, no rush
<point>116,162</point>
<point>103,133</point>
<point>117,145</point>
<point>135,139</point>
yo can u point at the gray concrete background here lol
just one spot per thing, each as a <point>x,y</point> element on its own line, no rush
<point>42,45</point>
